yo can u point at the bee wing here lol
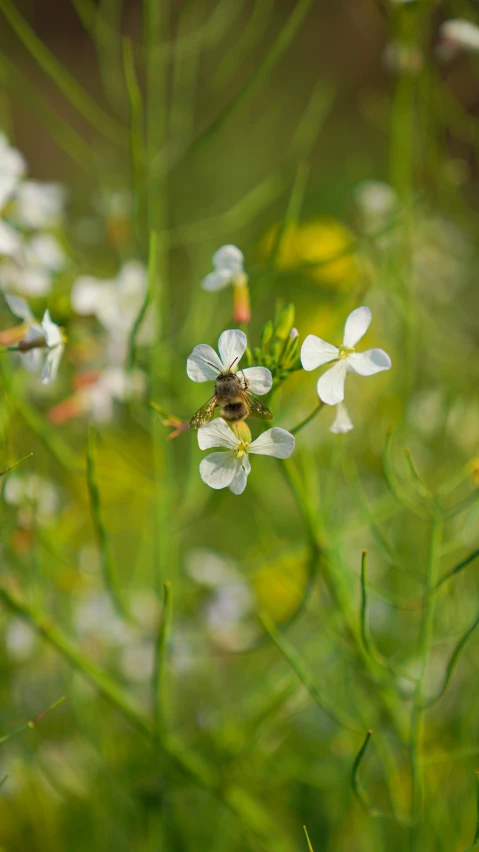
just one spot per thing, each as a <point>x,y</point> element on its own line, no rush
<point>204,414</point>
<point>256,408</point>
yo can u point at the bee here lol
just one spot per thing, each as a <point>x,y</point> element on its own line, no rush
<point>236,402</point>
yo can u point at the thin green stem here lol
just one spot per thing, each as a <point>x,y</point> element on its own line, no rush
<point>355,786</point>
<point>159,675</point>
<point>417,721</point>
<point>307,419</point>
<point>33,722</point>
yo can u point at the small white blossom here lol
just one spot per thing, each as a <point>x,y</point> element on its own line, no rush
<point>231,469</point>
<point>39,204</point>
<point>204,365</point>
<point>456,35</point>
<point>12,169</point>
<point>315,352</point>
<point>228,265</point>
<point>45,335</point>
<point>42,257</point>
<point>10,242</point>
<point>342,422</point>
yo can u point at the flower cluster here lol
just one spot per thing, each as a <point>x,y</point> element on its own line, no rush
<point>278,357</point>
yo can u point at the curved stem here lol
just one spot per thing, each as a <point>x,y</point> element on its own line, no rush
<point>308,419</point>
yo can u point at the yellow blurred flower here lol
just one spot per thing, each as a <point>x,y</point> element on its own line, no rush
<point>280,584</point>
<point>323,241</point>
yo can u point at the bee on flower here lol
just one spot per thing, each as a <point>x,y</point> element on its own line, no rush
<point>231,469</point>
<point>228,264</point>
<point>234,387</point>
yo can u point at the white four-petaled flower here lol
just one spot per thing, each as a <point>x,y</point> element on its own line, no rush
<point>315,352</point>
<point>231,469</point>
<point>204,365</point>
<point>228,264</point>
<point>45,335</point>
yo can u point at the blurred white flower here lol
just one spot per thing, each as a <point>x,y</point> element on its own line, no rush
<point>45,335</point>
<point>375,201</point>
<point>12,169</point>
<point>228,269</point>
<point>20,640</point>
<point>137,660</point>
<point>208,568</point>
<point>228,264</point>
<point>455,35</point>
<point>116,303</point>
<point>39,204</point>
<point>10,242</point>
<point>113,384</point>
<point>34,491</point>
<point>42,257</point>
<point>204,365</point>
<point>231,469</point>
<point>342,422</point>
<point>315,352</point>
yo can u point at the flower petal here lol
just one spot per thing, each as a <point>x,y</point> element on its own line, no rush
<point>10,243</point>
<point>216,280</point>
<point>238,483</point>
<point>369,362</point>
<point>218,469</point>
<point>53,333</point>
<point>331,384</point>
<point>52,363</point>
<point>342,422</point>
<point>85,295</point>
<point>259,379</point>
<point>274,442</point>
<point>231,346</point>
<point>20,309</point>
<point>229,258</point>
<point>316,352</point>
<point>203,365</point>
<point>356,326</point>
<point>216,434</point>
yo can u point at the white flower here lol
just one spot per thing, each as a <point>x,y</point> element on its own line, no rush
<point>204,365</point>
<point>39,204</point>
<point>116,303</point>
<point>316,352</point>
<point>10,242</point>
<point>342,422</point>
<point>12,168</point>
<point>456,34</point>
<point>45,335</point>
<point>228,264</point>
<point>231,469</point>
<point>32,275</point>
<point>112,384</point>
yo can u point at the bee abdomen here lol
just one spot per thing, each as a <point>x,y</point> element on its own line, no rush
<point>234,411</point>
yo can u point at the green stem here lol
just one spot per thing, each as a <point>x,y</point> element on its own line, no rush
<point>307,419</point>
<point>159,675</point>
<point>417,721</point>
<point>33,722</point>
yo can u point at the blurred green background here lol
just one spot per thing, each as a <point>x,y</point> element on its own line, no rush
<point>335,143</point>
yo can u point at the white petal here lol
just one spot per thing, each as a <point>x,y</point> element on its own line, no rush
<point>342,422</point>
<point>316,352</point>
<point>229,258</point>
<point>238,483</point>
<point>20,309</point>
<point>369,362</point>
<point>216,434</point>
<point>231,346</point>
<point>52,362</point>
<point>274,442</point>
<point>259,379</point>
<point>53,334</point>
<point>218,469</point>
<point>85,294</point>
<point>216,280</point>
<point>356,326</point>
<point>331,384</point>
<point>10,242</point>
<point>203,365</point>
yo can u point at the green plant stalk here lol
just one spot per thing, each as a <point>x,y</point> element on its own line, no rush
<point>100,531</point>
<point>417,720</point>
<point>137,141</point>
<point>33,722</point>
<point>315,411</point>
<point>310,848</point>
<point>161,655</point>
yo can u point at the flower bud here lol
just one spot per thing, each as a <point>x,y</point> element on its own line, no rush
<point>241,430</point>
<point>241,302</point>
<point>266,335</point>
<point>285,322</point>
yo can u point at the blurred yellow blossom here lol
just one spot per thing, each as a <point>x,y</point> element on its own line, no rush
<point>280,584</point>
<point>324,241</point>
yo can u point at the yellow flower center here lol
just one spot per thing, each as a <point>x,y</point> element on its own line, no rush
<point>344,352</point>
<point>242,449</point>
